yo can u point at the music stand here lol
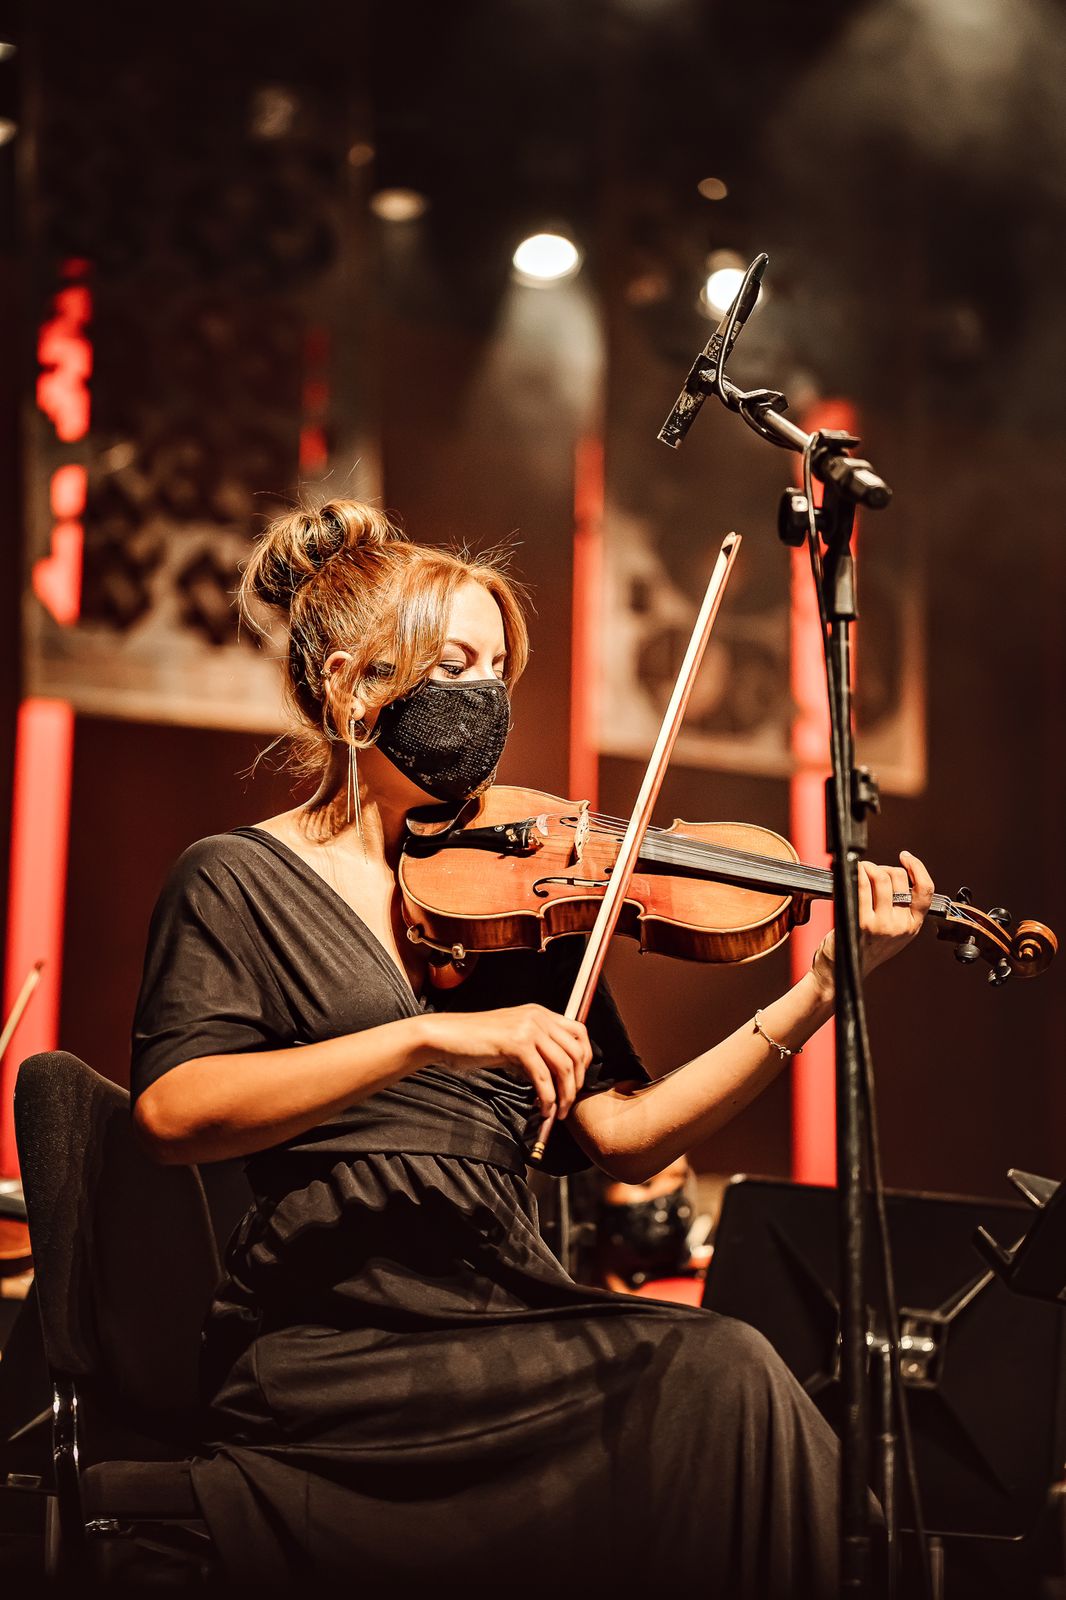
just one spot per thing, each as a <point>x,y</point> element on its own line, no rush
<point>1036,1263</point>
<point>981,1365</point>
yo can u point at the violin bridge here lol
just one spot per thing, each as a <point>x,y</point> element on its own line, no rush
<point>581,834</point>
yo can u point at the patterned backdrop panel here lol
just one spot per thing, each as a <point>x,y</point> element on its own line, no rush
<point>200,267</point>
<point>666,515</point>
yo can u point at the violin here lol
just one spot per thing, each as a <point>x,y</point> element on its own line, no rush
<point>516,868</point>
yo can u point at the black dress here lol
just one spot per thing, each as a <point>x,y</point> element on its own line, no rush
<point>403,1382</point>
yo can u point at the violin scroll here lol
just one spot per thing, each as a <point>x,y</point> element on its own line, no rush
<point>1033,948</point>
<point>1025,948</point>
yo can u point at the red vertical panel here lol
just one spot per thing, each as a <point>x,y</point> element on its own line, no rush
<point>586,620</point>
<point>814,1072</point>
<point>39,829</point>
<point>314,440</point>
<point>44,740</point>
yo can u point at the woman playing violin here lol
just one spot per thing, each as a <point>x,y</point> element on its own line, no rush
<point>403,1382</point>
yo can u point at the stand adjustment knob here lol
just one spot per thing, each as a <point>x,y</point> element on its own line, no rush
<point>793,518</point>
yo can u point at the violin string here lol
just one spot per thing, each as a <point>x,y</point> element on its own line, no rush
<point>668,847</point>
<point>766,869</point>
<point>770,871</point>
<point>617,826</point>
<point>671,846</point>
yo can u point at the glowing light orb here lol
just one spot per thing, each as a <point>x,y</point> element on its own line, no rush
<point>721,287</point>
<point>398,205</point>
<point>546,258</point>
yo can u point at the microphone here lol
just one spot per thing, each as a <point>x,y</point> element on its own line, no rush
<point>701,378</point>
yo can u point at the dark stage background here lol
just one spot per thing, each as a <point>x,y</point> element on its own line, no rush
<point>903,164</point>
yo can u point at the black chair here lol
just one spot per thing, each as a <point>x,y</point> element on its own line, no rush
<point>125,1264</point>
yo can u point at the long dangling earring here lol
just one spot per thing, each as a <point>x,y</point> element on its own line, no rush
<point>353,787</point>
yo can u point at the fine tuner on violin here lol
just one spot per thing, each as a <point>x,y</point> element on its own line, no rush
<point>517,868</point>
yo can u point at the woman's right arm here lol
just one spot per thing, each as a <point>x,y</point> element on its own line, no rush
<point>220,1106</point>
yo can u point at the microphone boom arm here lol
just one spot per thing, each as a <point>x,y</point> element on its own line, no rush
<point>762,409</point>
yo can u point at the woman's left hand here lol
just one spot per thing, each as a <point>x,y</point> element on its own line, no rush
<point>886,927</point>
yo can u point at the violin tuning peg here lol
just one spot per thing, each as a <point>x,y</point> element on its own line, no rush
<point>1001,916</point>
<point>964,897</point>
<point>1000,971</point>
<point>968,951</point>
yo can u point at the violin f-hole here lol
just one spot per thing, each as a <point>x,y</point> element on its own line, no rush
<point>540,888</point>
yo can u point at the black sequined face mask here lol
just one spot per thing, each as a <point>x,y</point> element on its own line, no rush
<point>447,737</point>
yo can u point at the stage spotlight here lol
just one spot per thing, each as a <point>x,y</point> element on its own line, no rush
<point>720,288</point>
<point>398,205</point>
<point>8,130</point>
<point>546,258</point>
<point>712,188</point>
<point>725,273</point>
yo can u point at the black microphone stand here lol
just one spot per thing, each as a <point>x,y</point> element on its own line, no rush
<point>850,795</point>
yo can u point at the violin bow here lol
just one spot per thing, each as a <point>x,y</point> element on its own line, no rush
<point>588,974</point>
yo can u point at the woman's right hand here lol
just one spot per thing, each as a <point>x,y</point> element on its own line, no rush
<point>530,1041</point>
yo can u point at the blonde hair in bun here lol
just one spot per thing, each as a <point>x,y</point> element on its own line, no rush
<point>346,578</point>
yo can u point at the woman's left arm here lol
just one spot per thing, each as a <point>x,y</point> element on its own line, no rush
<point>634,1130</point>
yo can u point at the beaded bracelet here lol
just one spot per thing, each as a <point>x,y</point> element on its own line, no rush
<point>782,1049</point>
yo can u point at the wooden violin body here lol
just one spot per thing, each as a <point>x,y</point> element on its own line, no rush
<point>518,868</point>
<point>554,887</point>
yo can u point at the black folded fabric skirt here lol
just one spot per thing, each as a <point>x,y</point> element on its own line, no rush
<point>405,1386</point>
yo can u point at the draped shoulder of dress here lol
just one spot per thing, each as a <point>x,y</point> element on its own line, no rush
<point>403,1383</point>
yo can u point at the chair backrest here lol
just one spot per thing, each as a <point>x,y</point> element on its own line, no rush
<point>124,1253</point>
